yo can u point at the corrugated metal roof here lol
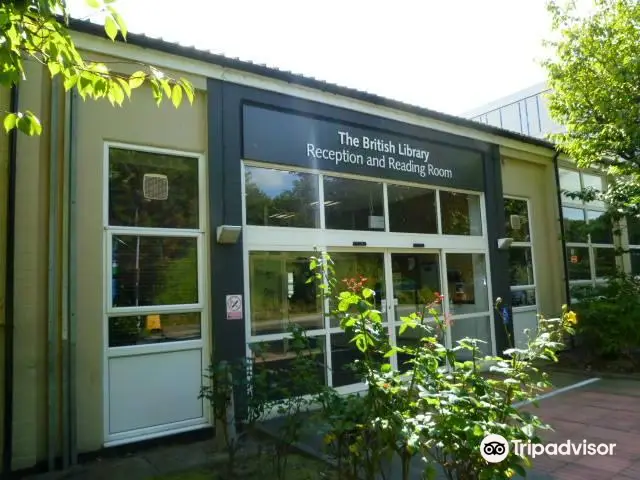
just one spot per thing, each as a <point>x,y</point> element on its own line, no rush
<point>262,69</point>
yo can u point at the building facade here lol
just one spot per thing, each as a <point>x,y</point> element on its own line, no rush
<point>148,239</point>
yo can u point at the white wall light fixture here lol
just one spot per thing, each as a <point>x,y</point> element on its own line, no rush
<point>504,243</point>
<point>228,234</point>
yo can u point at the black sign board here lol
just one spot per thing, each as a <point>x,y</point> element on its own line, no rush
<point>290,139</point>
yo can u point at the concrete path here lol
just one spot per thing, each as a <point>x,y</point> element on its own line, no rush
<point>607,411</point>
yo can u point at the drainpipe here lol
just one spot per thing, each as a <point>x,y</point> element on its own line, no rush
<point>563,239</point>
<point>7,451</point>
<point>53,392</point>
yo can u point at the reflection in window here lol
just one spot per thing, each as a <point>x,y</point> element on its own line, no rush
<point>476,327</point>
<point>523,298</point>
<point>275,360</point>
<point>579,266</point>
<point>575,227</point>
<point>593,182</point>
<point>605,260</point>
<point>150,270</point>
<point>416,279</point>
<point>280,294</point>
<point>520,266</point>
<point>460,214</point>
<point>467,278</point>
<point>353,204</point>
<point>569,183</point>
<point>153,328</point>
<point>599,227</point>
<point>355,264</point>
<point>517,220</point>
<point>412,210</point>
<point>280,198</point>
<point>343,356</point>
<point>633,229</point>
<point>152,190</point>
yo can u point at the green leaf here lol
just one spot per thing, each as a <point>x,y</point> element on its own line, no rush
<point>111,28</point>
<point>176,95</point>
<point>188,89</point>
<point>92,3</point>
<point>137,78</point>
<point>121,23</point>
<point>29,124</point>
<point>10,122</point>
<point>367,293</point>
<point>477,431</point>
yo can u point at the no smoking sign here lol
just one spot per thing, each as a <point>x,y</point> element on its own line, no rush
<point>234,307</point>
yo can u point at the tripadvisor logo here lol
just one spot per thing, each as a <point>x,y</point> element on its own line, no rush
<point>495,448</point>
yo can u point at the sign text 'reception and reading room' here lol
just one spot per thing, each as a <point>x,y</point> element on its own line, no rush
<point>290,139</point>
<point>380,154</point>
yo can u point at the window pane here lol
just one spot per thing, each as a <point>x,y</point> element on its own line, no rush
<point>633,229</point>
<point>343,355</point>
<point>520,266</point>
<point>579,266</point>
<point>475,328</point>
<point>570,183</point>
<point>517,220</point>
<point>276,361</point>
<point>605,262</point>
<point>523,298</point>
<point>154,270</point>
<point>153,328</point>
<point>635,262</point>
<point>281,199</point>
<point>599,227</point>
<point>412,210</point>
<point>593,182</point>
<point>460,214</point>
<point>575,227</point>
<point>280,294</point>
<point>416,279</point>
<point>353,204</point>
<point>152,190</point>
<point>467,279</point>
<point>349,265</point>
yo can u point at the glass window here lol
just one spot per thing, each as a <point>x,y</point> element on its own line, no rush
<point>467,279</point>
<point>416,279</point>
<point>633,229</point>
<point>570,183</point>
<point>635,262</point>
<point>599,227</point>
<point>148,270</point>
<point>349,265</point>
<point>523,298</point>
<point>153,328</point>
<point>460,214</point>
<point>595,183</point>
<point>282,199</point>
<point>152,190</point>
<point>605,259</point>
<point>517,220</point>
<point>344,353</point>
<point>575,227</point>
<point>532,116</point>
<point>510,115</point>
<point>275,359</point>
<point>412,210</point>
<point>579,263</point>
<point>280,294</point>
<point>478,328</point>
<point>353,204</point>
<point>520,266</point>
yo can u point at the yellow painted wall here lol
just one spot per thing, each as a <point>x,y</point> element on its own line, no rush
<point>140,123</point>
<point>536,182</point>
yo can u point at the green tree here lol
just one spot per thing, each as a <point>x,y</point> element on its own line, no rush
<point>595,92</point>
<point>38,30</point>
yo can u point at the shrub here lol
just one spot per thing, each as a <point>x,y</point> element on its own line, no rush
<point>610,317</point>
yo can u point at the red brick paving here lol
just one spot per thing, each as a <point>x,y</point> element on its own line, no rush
<point>598,414</point>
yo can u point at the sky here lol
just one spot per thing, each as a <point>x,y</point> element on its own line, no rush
<point>447,55</point>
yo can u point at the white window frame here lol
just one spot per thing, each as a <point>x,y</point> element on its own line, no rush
<point>529,245</point>
<point>292,239</point>
<point>201,306</point>
<point>591,247</point>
